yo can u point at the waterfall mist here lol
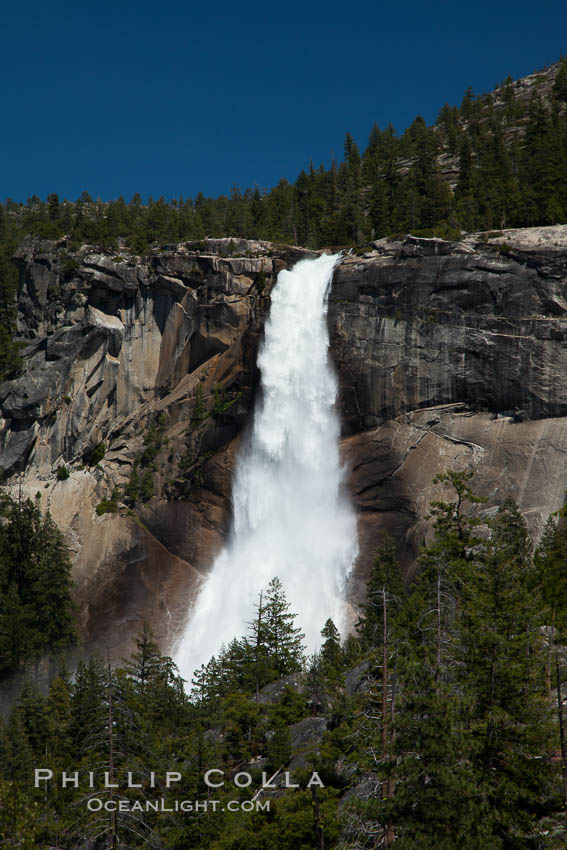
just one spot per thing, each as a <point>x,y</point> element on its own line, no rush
<point>290,517</point>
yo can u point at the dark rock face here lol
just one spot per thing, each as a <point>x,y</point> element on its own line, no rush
<point>356,679</point>
<point>451,355</point>
<point>272,694</point>
<point>426,322</point>
<point>306,737</point>
<point>448,355</point>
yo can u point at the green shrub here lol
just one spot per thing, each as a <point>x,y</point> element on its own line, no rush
<point>133,486</point>
<point>505,248</point>
<point>219,400</point>
<point>199,410</point>
<point>109,506</point>
<point>138,244</point>
<point>260,281</point>
<point>154,439</point>
<point>222,402</point>
<point>147,486</point>
<point>96,454</point>
<point>62,473</point>
<point>69,268</point>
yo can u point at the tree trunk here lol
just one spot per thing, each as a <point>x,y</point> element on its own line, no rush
<point>319,837</point>
<point>111,757</point>
<point>561,731</point>
<point>387,787</point>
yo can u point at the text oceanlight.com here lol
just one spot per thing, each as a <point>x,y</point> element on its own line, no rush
<point>95,804</point>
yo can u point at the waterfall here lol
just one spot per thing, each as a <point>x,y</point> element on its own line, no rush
<point>290,517</point>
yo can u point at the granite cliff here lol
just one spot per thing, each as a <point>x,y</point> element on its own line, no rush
<point>154,363</point>
<point>452,355</point>
<point>448,354</point>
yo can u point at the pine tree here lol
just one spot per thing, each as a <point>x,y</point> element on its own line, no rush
<point>316,685</point>
<point>53,604</point>
<point>428,746</point>
<point>551,566</point>
<point>283,640</point>
<point>332,660</point>
<point>351,206</point>
<point>278,747</point>
<point>19,815</point>
<point>32,710</point>
<point>560,84</point>
<point>10,361</point>
<point>448,121</point>
<point>109,736</point>
<point>467,207</point>
<point>384,580</point>
<point>15,638</point>
<point>498,621</point>
<point>36,614</point>
<point>53,206</point>
<point>17,753</point>
<point>59,717</point>
<point>88,706</point>
<point>543,166</point>
<point>379,634</point>
<point>425,741</point>
<point>431,192</point>
<point>158,689</point>
<point>146,662</point>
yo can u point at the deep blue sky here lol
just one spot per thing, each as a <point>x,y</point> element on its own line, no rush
<point>175,97</point>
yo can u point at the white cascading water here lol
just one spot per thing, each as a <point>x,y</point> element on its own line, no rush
<point>290,517</point>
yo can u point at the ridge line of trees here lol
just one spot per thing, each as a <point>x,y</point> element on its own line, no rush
<point>510,157</point>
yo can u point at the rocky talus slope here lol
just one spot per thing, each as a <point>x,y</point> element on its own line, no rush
<point>448,354</point>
